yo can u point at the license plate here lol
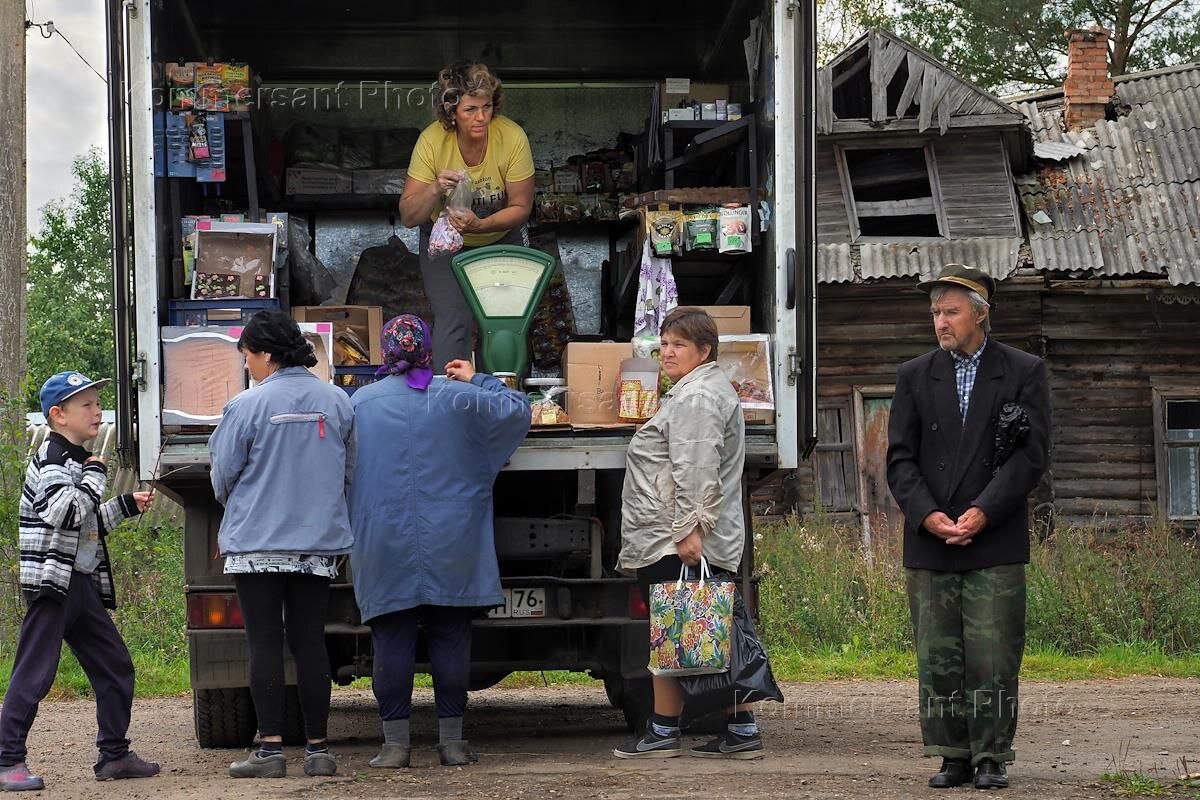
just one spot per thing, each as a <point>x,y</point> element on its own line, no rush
<point>521,603</point>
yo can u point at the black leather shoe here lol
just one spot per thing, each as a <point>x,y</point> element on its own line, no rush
<point>990,775</point>
<point>955,772</point>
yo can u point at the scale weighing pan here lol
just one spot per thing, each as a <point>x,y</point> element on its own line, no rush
<point>503,285</point>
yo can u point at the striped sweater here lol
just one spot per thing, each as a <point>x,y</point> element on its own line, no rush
<point>61,503</point>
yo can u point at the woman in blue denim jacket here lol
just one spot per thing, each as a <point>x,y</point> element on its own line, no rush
<point>282,457</point>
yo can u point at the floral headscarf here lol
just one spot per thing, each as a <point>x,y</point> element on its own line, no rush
<point>407,350</point>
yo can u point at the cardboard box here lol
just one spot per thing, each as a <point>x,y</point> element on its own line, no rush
<point>319,180</point>
<point>675,90</point>
<point>746,361</point>
<point>380,181</point>
<point>356,325</point>
<point>202,371</point>
<point>320,336</point>
<point>731,320</point>
<point>234,260</point>
<point>592,371</point>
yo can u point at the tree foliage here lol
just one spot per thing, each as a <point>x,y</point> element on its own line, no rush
<point>70,283</point>
<point>1022,44</point>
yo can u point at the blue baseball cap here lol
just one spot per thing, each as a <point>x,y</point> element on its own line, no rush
<point>58,388</point>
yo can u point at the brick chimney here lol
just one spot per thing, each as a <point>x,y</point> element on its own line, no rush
<point>1087,89</point>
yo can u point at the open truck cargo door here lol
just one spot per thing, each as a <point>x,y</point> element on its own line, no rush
<point>118,176</point>
<point>795,230</point>
<point>137,297</point>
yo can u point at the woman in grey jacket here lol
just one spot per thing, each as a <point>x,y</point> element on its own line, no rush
<point>682,499</point>
<point>282,457</point>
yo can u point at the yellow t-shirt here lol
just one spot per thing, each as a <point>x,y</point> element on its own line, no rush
<point>508,158</point>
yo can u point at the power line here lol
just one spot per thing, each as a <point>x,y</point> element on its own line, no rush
<point>81,58</point>
<point>48,29</point>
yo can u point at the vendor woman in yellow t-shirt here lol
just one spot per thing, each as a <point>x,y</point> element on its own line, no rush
<point>468,136</point>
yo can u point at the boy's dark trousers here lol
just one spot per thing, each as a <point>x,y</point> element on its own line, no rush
<point>84,624</point>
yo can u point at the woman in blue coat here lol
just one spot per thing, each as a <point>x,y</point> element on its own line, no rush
<point>421,509</point>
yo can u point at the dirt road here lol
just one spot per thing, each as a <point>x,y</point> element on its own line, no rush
<point>831,740</point>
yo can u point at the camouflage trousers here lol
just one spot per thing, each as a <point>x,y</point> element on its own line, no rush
<point>970,635</point>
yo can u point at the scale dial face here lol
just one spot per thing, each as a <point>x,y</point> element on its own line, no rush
<point>504,284</point>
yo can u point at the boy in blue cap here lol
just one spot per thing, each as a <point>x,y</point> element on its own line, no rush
<point>67,585</point>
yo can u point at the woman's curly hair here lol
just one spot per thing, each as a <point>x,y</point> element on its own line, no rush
<point>459,80</point>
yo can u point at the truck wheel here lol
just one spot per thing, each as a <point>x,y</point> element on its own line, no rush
<point>224,717</point>
<point>485,680</point>
<point>636,701</point>
<point>614,687</point>
<point>293,717</point>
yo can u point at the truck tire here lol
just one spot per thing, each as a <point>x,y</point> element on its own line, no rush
<point>485,680</point>
<point>636,698</point>
<point>224,718</point>
<point>614,687</point>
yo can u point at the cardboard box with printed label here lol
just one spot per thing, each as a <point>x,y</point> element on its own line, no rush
<point>202,371</point>
<point>592,370</point>
<point>319,180</point>
<point>731,320</point>
<point>356,331</point>
<point>673,91</point>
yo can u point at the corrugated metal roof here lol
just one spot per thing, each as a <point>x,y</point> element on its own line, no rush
<point>845,263</point>
<point>1057,151</point>
<point>1130,202</point>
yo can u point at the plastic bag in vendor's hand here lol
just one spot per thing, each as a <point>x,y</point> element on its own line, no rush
<point>460,195</point>
<point>444,239</point>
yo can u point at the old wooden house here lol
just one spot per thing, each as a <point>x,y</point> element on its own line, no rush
<point>1089,227</point>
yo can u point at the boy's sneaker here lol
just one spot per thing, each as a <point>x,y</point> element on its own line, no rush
<point>17,779</point>
<point>130,765</point>
<point>256,766</point>
<point>651,745</point>
<point>730,745</point>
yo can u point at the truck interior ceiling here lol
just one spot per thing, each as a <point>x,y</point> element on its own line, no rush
<point>573,40</point>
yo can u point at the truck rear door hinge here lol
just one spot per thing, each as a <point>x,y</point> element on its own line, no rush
<point>792,7</point>
<point>795,366</point>
<point>138,379</point>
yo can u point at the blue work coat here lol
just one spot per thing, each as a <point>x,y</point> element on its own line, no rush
<point>421,496</point>
<point>281,458</point>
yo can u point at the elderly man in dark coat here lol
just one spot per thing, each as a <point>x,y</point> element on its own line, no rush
<point>968,441</point>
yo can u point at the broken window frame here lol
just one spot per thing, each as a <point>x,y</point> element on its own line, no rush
<point>923,144</point>
<point>1165,391</point>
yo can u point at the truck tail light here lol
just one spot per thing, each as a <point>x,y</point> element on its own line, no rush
<point>637,606</point>
<point>214,611</point>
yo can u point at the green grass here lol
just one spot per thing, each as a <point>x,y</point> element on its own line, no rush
<point>1127,783</point>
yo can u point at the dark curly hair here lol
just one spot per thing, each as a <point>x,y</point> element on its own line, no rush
<point>460,80</point>
<point>276,333</point>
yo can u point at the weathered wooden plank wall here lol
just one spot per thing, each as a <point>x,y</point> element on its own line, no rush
<point>1103,347</point>
<point>1102,344</point>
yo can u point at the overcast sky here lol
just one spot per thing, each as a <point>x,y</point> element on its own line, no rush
<point>67,105</point>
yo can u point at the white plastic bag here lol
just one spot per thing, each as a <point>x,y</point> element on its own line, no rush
<point>444,239</point>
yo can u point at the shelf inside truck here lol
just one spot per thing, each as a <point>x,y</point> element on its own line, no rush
<point>583,449</point>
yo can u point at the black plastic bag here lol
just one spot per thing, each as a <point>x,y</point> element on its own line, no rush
<point>749,679</point>
<point>1012,426</point>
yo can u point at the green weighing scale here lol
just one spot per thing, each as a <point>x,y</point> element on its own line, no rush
<point>503,285</point>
